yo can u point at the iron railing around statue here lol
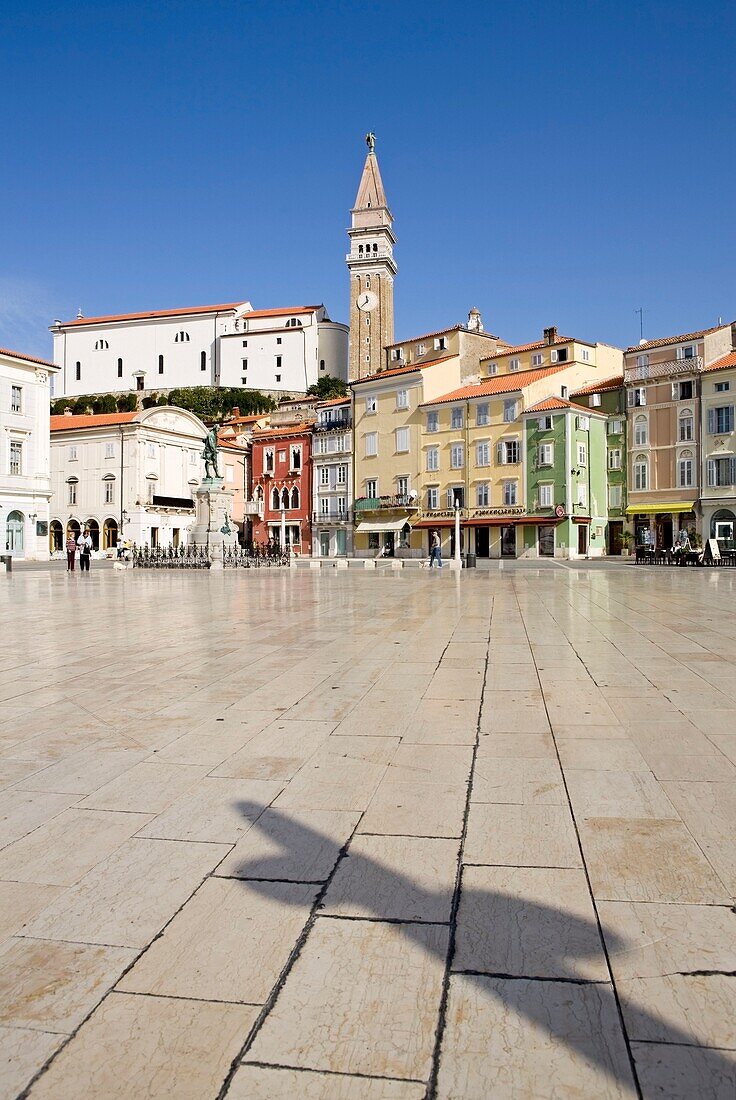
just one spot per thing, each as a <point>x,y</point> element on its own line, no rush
<point>256,556</point>
<point>171,557</point>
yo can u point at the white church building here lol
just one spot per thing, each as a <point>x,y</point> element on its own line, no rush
<point>231,345</point>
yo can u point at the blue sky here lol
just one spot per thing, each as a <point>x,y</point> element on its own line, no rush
<point>554,163</point>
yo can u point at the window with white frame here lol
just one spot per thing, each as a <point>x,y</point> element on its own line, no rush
<point>585,355</point>
<point>720,420</point>
<point>636,396</point>
<point>193,458</point>
<point>402,399</point>
<point>510,493</point>
<point>683,391</point>
<point>546,490</point>
<point>296,457</point>
<point>342,506</point>
<point>421,349</point>
<point>371,444</point>
<point>371,488</point>
<point>324,505</point>
<point>615,427</point>
<point>342,474</point>
<point>181,338</point>
<point>16,457</point>
<point>324,475</point>
<point>397,354</point>
<point>433,421</point>
<point>483,453</point>
<point>641,472</point>
<point>71,494</point>
<point>109,450</point>
<point>456,495</point>
<point>433,497</point>
<point>482,415</point>
<point>582,454</point>
<point>685,470</point>
<point>595,400</point>
<point>509,410</point>
<point>109,491</point>
<point>537,359</point>
<point>268,460</point>
<point>545,454</point>
<point>402,440</point>
<point>371,404</point>
<point>151,450</point>
<point>721,472</point>
<point>509,452</point>
<point>73,453</point>
<point>544,423</point>
<point>687,351</point>
<point>482,495</point>
<point>614,496</point>
<point>721,387</point>
<point>440,343</point>
<point>582,493</point>
<point>583,423</point>
<point>492,369</point>
<point>16,399</point>
<point>433,458</point>
<point>514,364</point>
<point>614,458</point>
<point>402,485</point>
<point>641,431</point>
<point>457,456</point>
<point>686,426</point>
<point>456,417</point>
<point>642,360</point>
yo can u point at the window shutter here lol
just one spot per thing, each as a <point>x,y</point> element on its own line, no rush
<point>629,397</point>
<point>500,455</point>
<point>729,418</point>
<point>711,463</point>
<point>732,471</point>
<point>675,390</point>
<point>711,425</point>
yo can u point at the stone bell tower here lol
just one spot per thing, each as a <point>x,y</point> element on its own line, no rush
<point>372,270</point>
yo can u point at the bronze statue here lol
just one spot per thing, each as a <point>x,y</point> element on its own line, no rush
<point>209,454</point>
<point>370,140</point>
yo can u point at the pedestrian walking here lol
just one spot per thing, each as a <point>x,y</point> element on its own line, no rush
<point>435,553</point>
<point>84,542</point>
<point>71,553</point>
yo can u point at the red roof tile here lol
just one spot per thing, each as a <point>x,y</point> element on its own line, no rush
<point>665,340</point>
<point>225,307</point>
<point>722,364</point>
<point>501,383</point>
<point>292,429</point>
<point>334,401</point>
<point>82,420</point>
<point>410,368</point>
<point>28,358</point>
<point>614,383</point>
<point>444,332</point>
<point>552,404</point>
<point>509,350</point>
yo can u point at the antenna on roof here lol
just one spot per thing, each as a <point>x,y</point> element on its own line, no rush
<point>640,311</point>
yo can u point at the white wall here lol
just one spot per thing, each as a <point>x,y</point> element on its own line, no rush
<point>29,492</point>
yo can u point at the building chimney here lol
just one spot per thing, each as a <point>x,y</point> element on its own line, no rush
<point>733,335</point>
<point>550,335</point>
<point>235,413</point>
<point>68,411</point>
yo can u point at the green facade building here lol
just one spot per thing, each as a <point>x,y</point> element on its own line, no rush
<point>566,454</point>
<point>609,397</point>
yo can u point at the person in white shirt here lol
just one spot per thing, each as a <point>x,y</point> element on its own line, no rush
<point>84,542</point>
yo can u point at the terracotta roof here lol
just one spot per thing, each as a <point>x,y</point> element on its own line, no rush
<point>28,358</point>
<point>82,420</point>
<point>334,401</point>
<point>509,350</point>
<point>444,332</point>
<point>410,368</point>
<point>501,383</point>
<point>614,383</point>
<point>553,404</point>
<point>225,307</point>
<point>664,341</point>
<point>292,429</point>
<point>722,364</point>
<point>243,419</point>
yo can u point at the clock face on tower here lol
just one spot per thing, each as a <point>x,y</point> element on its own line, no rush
<point>367,301</point>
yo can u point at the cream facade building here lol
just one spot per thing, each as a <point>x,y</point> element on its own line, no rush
<point>718,432</point>
<point>25,483</point>
<point>332,479</point>
<point>130,475</point>
<point>280,351</point>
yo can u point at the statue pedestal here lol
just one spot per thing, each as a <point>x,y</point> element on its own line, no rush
<point>214,527</point>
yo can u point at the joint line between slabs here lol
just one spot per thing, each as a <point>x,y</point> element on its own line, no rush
<point>333,1072</point>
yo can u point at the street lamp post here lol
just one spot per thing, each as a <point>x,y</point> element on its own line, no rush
<point>457,531</point>
<point>283,529</point>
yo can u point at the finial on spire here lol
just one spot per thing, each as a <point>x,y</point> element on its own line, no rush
<point>370,140</point>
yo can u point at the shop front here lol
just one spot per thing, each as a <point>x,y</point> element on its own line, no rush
<point>659,525</point>
<point>387,536</point>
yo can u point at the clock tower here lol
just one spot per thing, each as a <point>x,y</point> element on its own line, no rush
<point>372,269</point>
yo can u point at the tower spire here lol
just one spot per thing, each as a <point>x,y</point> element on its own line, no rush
<point>370,190</point>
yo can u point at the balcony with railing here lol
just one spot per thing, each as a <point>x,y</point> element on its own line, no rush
<point>333,516</point>
<point>377,504</point>
<point>337,424</point>
<point>693,365</point>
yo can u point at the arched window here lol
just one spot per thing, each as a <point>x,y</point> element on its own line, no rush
<point>109,534</point>
<point>685,426</point>
<point>685,469</point>
<point>295,497</point>
<point>258,494</point>
<point>120,368</point>
<point>71,490</point>
<point>275,500</point>
<point>285,498</point>
<point>14,533</point>
<point>203,360</point>
<point>181,337</point>
<point>160,364</point>
<point>293,322</point>
<point>321,364</point>
<point>101,345</point>
<point>641,433</point>
<point>108,482</point>
<point>56,536</point>
<point>641,472</point>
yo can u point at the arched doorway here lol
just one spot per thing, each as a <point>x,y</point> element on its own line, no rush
<point>56,536</point>
<point>723,526</point>
<point>73,529</point>
<point>109,534</point>
<point>14,534</point>
<point>94,530</point>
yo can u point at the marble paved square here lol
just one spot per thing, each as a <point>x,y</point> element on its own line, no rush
<point>364,835</point>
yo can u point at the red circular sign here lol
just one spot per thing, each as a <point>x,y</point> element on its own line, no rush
<point>559,511</point>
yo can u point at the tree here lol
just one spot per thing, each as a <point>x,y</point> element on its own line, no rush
<point>327,388</point>
<point>105,404</point>
<point>127,402</point>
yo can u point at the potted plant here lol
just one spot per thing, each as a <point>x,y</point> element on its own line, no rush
<point>626,540</point>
